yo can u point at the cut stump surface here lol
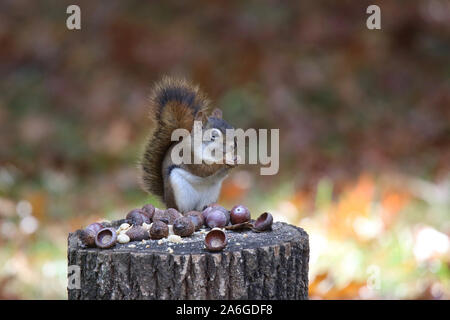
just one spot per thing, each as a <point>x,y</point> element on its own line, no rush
<point>266,265</point>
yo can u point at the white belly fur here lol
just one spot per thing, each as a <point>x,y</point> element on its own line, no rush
<point>192,192</point>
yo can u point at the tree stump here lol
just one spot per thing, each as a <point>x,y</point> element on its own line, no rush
<point>267,265</point>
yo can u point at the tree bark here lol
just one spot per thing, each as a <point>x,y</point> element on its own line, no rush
<point>267,265</point>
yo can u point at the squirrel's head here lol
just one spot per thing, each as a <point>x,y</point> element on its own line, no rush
<point>216,147</point>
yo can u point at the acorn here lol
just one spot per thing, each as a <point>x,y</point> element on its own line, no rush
<point>263,223</point>
<point>136,217</point>
<point>159,230</point>
<point>196,218</point>
<point>216,219</point>
<point>137,233</point>
<point>87,235</point>
<point>219,207</point>
<point>214,207</point>
<point>215,240</point>
<point>183,227</point>
<point>173,214</point>
<point>160,215</point>
<point>148,210</point>
<point>106,238</point>
<point>239,214</point>
<point>205,212</point>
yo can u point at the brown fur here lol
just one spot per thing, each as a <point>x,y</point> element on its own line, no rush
<point>174,103</point>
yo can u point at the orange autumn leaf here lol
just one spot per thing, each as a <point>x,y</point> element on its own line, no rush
<point>39,203</point>
<point>231,192</point>
<point>323,286</point>
<point>394,201</point>
<point>354,203</point>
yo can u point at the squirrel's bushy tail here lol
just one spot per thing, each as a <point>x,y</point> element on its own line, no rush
<point>174,104</point>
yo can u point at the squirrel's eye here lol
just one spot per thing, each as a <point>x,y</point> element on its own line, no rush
<point>215,133</point>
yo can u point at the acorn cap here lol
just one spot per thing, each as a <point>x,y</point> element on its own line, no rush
<point>215,240</point>
<point>263,223</point>
<point>106,238</point>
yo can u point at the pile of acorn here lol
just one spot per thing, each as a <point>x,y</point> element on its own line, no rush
<point>153,223</point>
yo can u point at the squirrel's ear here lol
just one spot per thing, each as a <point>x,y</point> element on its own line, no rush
<point>217,113</point>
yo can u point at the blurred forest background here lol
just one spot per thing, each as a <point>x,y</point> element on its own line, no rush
<point>364,120</point>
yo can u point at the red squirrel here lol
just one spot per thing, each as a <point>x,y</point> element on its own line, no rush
<point>174,104</point>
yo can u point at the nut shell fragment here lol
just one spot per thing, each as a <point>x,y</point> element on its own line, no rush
<point>175,238</point>
<point>137,233</point>
<point>123,238</point>
<point>240,226</point>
